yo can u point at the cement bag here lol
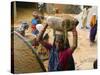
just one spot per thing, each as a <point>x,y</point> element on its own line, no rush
<point>59,23</point>
<point>54,22</point>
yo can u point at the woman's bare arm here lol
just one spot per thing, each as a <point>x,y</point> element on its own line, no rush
<point>75,36</point>
<point>40,38</point>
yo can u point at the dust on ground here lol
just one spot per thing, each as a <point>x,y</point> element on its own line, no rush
<point>84,54</point>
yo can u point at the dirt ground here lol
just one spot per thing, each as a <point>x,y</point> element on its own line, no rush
<point>84,54</point>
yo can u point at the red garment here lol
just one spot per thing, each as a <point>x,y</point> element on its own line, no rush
<point>64,57</point>
<point>33,27</point>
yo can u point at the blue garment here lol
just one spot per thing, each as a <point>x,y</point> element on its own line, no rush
<point>35,32</point>
<point>54,60</point>
<point>34,21</point>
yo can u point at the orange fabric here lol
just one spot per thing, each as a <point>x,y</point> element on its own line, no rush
<point>93,21</point>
